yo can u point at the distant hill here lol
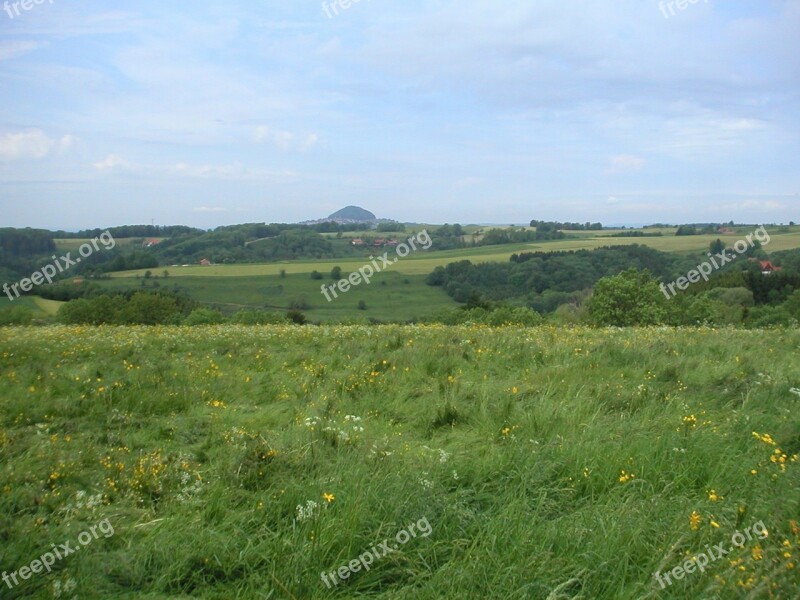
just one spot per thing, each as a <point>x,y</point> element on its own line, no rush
<point>353,214</point>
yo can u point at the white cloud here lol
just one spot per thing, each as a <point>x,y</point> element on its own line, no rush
<point>112,161</point>
<point>234,172</point>
<point>31,144</point>
<point>13,49</point>
<point>209,209</point>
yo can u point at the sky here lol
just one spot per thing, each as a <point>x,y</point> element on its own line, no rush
<point>471,111</point>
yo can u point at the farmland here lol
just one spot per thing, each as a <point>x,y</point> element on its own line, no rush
<point>398,294</point>
<point>390,296</point>
<point>422,263</point>
<point>244,462</point>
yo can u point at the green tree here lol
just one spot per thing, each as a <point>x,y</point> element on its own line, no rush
<point>717,246</point>
<point>336,273</point>
<point>628,299</point>
<point>792,305</point>
<point>150,309</point>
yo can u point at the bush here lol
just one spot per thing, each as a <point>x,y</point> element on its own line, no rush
<point>297,317</point>
<point>150,309</point>
<point>204,316</point>
<point>628,299</point>
<point>571,314</point>
<point>738,296</point>
<point>139,308</point>
<point>16,315</point>
<point>767,316</point>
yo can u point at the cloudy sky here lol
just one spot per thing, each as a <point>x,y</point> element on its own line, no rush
<point>472,111</point>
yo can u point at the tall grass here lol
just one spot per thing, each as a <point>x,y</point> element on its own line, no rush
<point>550,463</point>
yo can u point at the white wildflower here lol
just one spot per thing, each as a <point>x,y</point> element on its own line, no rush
<point>309,511</point>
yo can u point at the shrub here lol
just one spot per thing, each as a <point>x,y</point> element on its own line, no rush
<point>297,317</point>
<point>204,316</point>
<point>628,299</point>
<point>16,315</point>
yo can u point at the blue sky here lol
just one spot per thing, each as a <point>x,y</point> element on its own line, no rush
<point>472,111</point>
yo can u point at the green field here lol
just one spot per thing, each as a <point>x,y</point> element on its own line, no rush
<point>38,307</point>
<point>422,263</point>
<point>244,462</point>
<point>390,296</point>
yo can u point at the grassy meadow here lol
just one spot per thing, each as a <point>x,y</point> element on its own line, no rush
<point>390,296</point>
<point>244,462</point>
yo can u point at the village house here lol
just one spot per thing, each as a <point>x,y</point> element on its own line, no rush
<point>767,268</point>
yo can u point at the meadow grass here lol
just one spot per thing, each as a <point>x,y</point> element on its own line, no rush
<point>48,307</point>
<point>390,296</point>
<point>550,463</point>
<point>39,307</point>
